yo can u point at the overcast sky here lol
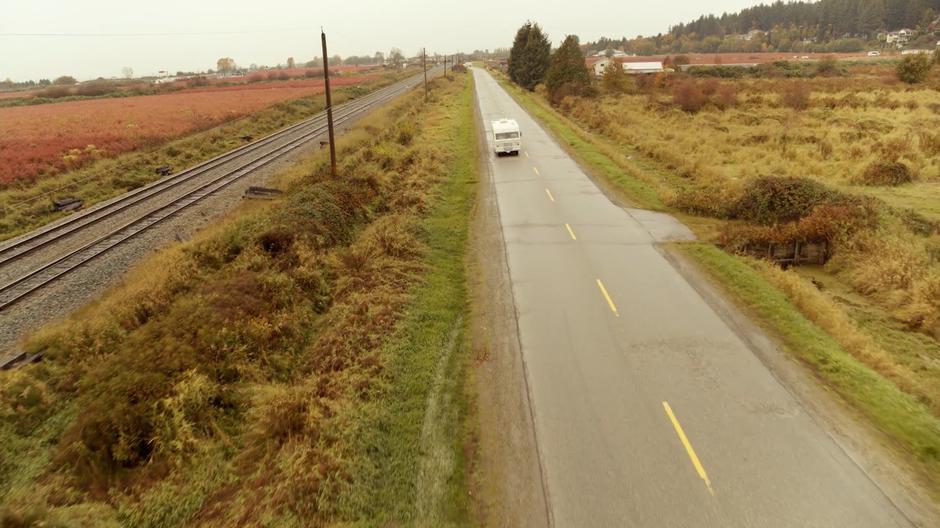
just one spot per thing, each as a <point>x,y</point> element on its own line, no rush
<point>269,31</point>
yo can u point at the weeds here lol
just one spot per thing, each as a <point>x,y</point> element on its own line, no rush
<point>885,173</point>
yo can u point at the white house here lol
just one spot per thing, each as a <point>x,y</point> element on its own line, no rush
<point>899,38</point>
<point>643,67</point>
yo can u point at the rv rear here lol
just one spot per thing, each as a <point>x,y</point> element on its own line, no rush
<point>507,139</point>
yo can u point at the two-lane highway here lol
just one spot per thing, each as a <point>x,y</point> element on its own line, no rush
<point>649,410</point>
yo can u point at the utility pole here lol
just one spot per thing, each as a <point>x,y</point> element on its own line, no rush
<point>445,66</point>
<point>424,64</point>
<point>329,104</point>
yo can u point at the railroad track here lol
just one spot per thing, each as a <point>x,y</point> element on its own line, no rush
<point>245,160</point>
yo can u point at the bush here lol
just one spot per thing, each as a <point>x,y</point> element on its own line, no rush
<point>795,95</point>
<point>55,92</point>
<point>883,172</point>
<point>197,81</point>
<point>825,223</point>
<point>724,72</point>
<point>614,79</point>
<point>913,69</point>
<point>827,66</point>
<point>773,199</point>
<point>95,88</point>
<point>689,96</point>
<point>726,96</point>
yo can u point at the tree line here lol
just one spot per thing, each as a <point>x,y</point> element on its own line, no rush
<point>802,26</point>
<point>531,62</point>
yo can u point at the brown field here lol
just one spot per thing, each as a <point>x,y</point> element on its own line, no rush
<point>46,139</point>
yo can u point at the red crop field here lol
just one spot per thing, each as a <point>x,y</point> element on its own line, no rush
<point>49,138</point>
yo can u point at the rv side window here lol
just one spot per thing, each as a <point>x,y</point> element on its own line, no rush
<point>507,135</point>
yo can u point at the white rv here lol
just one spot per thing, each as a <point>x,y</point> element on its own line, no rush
<point>506,137</point>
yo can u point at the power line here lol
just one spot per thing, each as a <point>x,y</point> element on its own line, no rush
<point>159,34</point>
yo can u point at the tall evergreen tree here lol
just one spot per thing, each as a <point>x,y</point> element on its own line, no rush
<point>529,56</point>
<point>517,50</point>
<point>567,68</point>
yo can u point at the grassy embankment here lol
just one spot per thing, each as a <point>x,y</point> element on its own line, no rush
<point>300,363</point>
<point>29,205</point>
<point>858,341</point>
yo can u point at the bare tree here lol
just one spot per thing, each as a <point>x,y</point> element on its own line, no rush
<point>128,72</point>
<point>396,57</point>
<point>225,65</point>
<point>378,58</point>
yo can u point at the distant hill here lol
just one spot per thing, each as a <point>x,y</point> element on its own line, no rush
<point>824,26</point>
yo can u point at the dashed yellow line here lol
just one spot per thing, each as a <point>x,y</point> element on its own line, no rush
<point>688,448</point>
<point>549,193</point>
<point>570,232</point>
<point>536,169</point>
<point>610,302</point>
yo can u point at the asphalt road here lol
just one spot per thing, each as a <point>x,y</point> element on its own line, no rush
<point>648,409</point>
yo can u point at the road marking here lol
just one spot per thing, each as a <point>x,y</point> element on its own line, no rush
<point>610,302</point>
<point>536,169</point>
<point>571,232</point>
<point>549,193</point>
<point>526,153</point>
<point>688,448</point>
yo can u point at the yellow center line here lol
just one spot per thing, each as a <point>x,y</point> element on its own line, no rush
<point>571,232</point>
<point>549,193</point>
<point>610,302</point>
<point>688,448</point>
<point>536,169</point>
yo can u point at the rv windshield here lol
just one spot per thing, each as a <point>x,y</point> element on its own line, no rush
<point>507,135</point>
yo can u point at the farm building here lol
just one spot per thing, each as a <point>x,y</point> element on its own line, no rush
<point>598,65</point>
<point>643,67</point>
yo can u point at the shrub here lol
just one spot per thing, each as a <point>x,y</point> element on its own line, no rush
<point>773,199</point>
<point>726,96</point>
<point>197,81</point>
<point>929,143</point>
<point>95,88</point>
<point>724,72</point>
<point>614,79</point>
<point>569,89</point>
<point>795,95</point>
<point>256,77</point>
<point>55,92</point>
<point>689,96</point>
<point>885,172</point>
<point>913,69</point>
<point>826,222</point>
<point>827,66</point>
